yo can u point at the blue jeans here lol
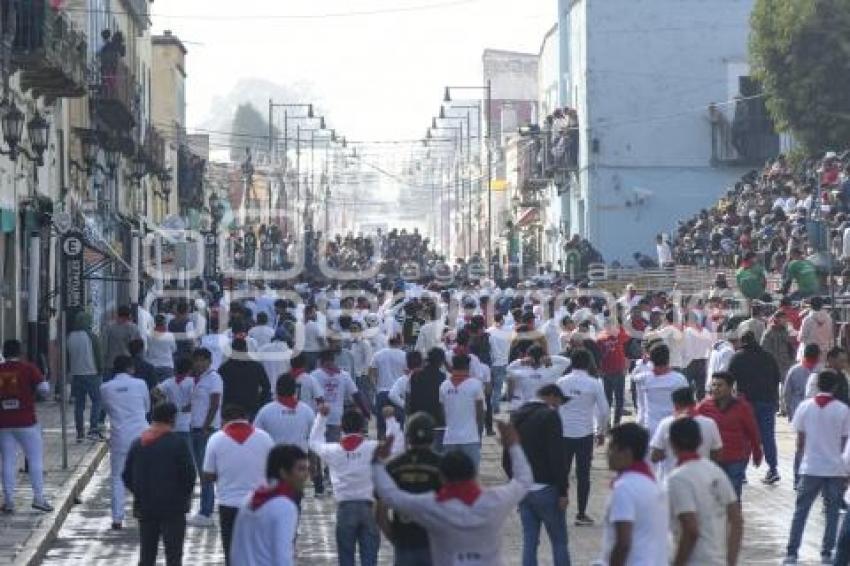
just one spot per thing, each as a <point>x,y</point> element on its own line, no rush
<point>82,386</point>
<point>842,549</point>
<point>382,399</point>
<point>356,526</point>
<point>737,473</point>
<point>538,507</point>
<point>497,378</point>
<point>807,491</point>
<point>615,393</point>
<point>766,420</point>
<point>472,450</point>
<point>412,556</point>
<point>199,448</point>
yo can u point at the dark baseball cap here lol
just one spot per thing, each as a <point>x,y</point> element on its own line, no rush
<point>420,429</point>
<point>552,390</point>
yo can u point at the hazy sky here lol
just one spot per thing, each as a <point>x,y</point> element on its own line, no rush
<point>380,76</point>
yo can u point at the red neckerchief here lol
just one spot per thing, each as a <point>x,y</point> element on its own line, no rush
<point>661,370</point>
<point>297,372</point>
<point>239,431</point>
<point>154,433</point>
<point>640,467</point>
<point>687,456</point>
<point>330,370</point>
<point>810,363</point>
<point>288,401</point>
<point>824,399</point>
<point>160,328</point>
<point>458,379</point>
<point>467,492</point>
<point>350,442</point>
<point>178,378</point>
<point>265,494</point>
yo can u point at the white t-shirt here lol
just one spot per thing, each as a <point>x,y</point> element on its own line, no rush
<point>181,395</point>
<point>586,412</point>
<point>312,334</point>
<point>528,379</point>
<point>208,384</point>
<point>160,349</point>
<point>639,500</point>
<point>710,439</point>
<point>500,345</point>
<point>825,428</point>
<point>285,425</point>
<point>654,392</point>
<point>308,390</point>
<point>389,363</point>
<point>240,468</point>
<point>336,388</point>
<point>703,488</point>
<point>262,334</point>
<point>459,407</point>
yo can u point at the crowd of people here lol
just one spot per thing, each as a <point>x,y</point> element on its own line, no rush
<point>771,212</point>
<point>267,400</point>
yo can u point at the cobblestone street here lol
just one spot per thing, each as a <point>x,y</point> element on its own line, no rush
<point>86,539</point>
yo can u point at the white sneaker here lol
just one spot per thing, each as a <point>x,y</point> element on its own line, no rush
<point>198,520</point>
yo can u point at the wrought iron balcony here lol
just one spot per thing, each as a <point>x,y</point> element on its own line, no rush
<point>115,93</point>
<point>47,49</point>
<point>154,149</point>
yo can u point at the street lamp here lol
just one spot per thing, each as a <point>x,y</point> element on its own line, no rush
<point>488,99</point>
<point>12,124</point>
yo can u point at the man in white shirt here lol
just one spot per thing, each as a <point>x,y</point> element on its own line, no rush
<point>500,347</point>
<point>235,461</point>
<point>672,338</point>
<point>286,419</point>
<point>349,461</point>
<point>636,516</point>
<point>655,389</point>
<point>706,514</point>
<point>126,400</point>
<point>205,420</point>
<point>685,407</point>
<point>585,416</point>
<point>262,333</point>
<point>314,337</point>
<point>275,357</point>
<point>462,397</point>
<point>178,391</point>
<point>386,366</point>
<point>527,375</point>
<point>823,425</point>
<point>160,349</point>
<point>267,523</point>
<point>696,347</point>
<point>336,387</point>
<point>464,521</point>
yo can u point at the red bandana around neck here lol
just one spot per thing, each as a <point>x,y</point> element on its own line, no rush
<point>823,399</point>
<point>350,442</point>
<point>154,433</point>
<point>239,431</point>
<point>640,467</point>
<point>297,372</point>
<point>687,456</point>
<point>330,370</point>
<point>265,494</point>
<point>810,363</point>
<point>288,401</point>
<point>458,379</point>
<point>467,492</point>
<point>661,370</point>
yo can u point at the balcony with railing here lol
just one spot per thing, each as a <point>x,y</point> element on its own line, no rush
<point>154,149</point>
<point>115,91</point>
<point>747,140</point>
<point>48,50</point>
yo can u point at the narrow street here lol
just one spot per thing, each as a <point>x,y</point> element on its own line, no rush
<point>86,538</point>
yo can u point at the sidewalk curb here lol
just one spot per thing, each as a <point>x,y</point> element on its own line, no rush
<point>36,547</point>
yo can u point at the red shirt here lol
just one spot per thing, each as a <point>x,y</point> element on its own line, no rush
<point>613,350</point>
<point>18,383</point>
<point>738,429</point>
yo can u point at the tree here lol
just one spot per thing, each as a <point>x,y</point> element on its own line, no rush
<point>249,130</point>
<point>800,51</point>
